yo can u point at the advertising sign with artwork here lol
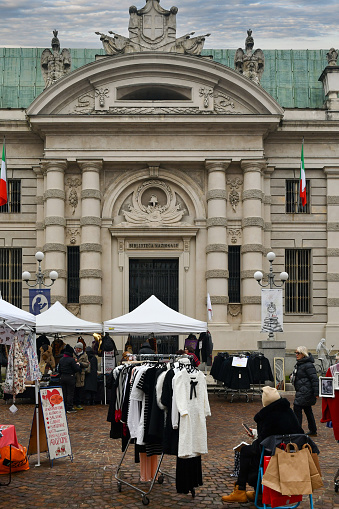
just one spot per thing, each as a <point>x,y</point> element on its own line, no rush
<point>271,310</point>
<point>53,408</point>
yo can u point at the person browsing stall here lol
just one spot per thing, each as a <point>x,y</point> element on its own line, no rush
<point>82,359</point>
<point>67,368</point>
<point>276,418</point>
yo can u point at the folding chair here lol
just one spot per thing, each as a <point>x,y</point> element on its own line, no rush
<point>270,444</point>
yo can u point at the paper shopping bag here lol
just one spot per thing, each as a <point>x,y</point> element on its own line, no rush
<point>294,471</point>
<point>271,476</point>
<point>315,457</point>
<point>275,499</point>
<point>316,479</point>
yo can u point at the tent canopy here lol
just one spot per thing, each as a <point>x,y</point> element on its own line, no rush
<point>13,316</point>
<point>154,316</point>
<point>58,319</point>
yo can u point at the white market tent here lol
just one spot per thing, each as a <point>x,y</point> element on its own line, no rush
<point>58,319</point>
<point>154,316</point>
<point>13,316</point>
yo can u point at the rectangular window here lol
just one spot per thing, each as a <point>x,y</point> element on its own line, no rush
<point>293,201</point>
<point>73,274</point>
<point>14,197</point>
<point>10,275</point>
<point>298,285</point>
<point>234,274</point>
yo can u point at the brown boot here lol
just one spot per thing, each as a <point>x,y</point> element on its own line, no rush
<point>236,496</point>
<point>250,496</point>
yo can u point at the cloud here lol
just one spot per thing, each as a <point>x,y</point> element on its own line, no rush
<point>276,24</point>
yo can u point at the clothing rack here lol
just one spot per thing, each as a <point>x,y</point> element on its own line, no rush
<point>120,481</point>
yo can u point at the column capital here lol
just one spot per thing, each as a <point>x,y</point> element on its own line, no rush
<point>90,165</point>
<point>257,165</point>
<point>53,165</point>
<point>217,165</point>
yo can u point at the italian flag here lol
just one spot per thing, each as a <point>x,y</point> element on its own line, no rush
<point>3,179</point>
<point>302,178</point>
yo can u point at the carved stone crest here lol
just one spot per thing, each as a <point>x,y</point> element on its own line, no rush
<point>250,63</point>
<point>234,196</point>
<point>54,65</point>
<point>153,204</point>
<point>234,233</point>
<point>206,93</point>
<point>73,232</point>
<point>102,93</point>
<point>152,28</point>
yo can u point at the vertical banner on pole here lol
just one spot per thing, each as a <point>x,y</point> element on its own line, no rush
<point>271,310</point>
<point>39,300</point>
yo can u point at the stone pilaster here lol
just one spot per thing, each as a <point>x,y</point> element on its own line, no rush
<point>252,248</point>
<point>54,223</point>
<point>216,250</point>
<point>332,175</point>
<point>90,248</point>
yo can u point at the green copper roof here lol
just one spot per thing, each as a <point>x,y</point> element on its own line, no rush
<point>290,76</point>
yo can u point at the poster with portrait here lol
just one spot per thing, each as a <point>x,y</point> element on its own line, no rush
<point>271,310</point>
<point>53,408</point>
<point>326,387</point>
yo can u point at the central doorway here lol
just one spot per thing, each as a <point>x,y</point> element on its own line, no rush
<point>159,277</point>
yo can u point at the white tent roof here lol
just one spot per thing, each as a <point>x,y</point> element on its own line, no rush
<point>154,316</point>
<point>15,316</point>
<point>58,319</point>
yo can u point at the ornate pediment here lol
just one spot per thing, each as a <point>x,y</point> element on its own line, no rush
<point>152,28</point>
<point>153,204</point>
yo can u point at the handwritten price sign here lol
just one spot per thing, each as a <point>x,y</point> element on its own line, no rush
<point>59,444</point>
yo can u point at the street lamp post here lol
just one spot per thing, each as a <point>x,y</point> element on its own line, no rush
<point>39,282</point>
<point>40,278</point>
<point>258,276</point>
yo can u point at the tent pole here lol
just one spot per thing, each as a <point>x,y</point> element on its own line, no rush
<point>37,408</point>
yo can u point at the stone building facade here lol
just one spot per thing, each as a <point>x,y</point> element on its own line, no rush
<point>157,156</point>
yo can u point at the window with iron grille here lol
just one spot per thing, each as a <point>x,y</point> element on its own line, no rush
<point>234,274</point>
<point>10,275</point>
<point>73,271</point>
<point>298,285</point>
<point>293,200</point>
<point>13,204</point>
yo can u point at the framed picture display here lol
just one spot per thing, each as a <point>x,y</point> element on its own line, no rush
<point>326,387</point>
<point>336,381</point>
<point>279,373</point>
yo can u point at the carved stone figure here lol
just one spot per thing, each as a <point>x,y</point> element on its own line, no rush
<point>332,57</point>
<point>250,63</point>
<point>153,204</point>
<point>152,28</point>
<point>54,65</point>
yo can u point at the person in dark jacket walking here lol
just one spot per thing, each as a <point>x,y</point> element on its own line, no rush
<point>91,378</point>
<point>306,384</point>
<point>276,418</point>
<point>67,368</point>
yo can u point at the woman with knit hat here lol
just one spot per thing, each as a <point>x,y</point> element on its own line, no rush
<point>276,418</point>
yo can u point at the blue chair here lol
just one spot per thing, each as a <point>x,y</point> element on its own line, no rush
<point>269,444</point>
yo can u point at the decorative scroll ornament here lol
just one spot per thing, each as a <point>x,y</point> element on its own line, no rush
<point>235,234</point>
<point>234,196</point>
<point>206,93</point>
<point>234,309</point>
<point>152,28</point>
<point>223,104</point>
<point>152,213</point>
<point>73,232</point>
<point>101,93</point>
<point>85,104</point>
<point>54,65</point>
<point>73,199</point>
<point>250,63</point>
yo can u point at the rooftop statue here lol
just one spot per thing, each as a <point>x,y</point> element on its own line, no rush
<point>54,65</point>
<point>152,28</point>
<point>250,63</point>
<point>332,57</point>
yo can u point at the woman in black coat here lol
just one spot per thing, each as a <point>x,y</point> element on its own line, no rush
<point>276,418</point>
<point>306,384</point>
<point>91,378</point>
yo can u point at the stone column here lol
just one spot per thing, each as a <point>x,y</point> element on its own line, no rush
<point>332,174</point>
<point>217,262</point>
<point>90,248</point>
<point>252,247</point>
<point>54,248</point>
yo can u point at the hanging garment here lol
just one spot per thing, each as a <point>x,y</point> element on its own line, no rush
<point>193,406</point>
<point>188,474</point>
<point>16,369</point>
<point>33,371</point>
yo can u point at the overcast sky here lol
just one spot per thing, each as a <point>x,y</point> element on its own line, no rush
<point>276,24</point>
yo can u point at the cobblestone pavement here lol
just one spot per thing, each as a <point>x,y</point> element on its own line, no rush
<point>89,481</point>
